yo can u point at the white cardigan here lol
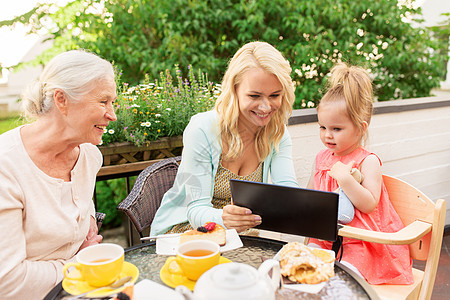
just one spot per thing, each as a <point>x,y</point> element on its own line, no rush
<point>40,231</point>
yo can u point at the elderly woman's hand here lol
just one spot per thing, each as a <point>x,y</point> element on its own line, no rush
<point>239,218</point>
<point>92,237</point>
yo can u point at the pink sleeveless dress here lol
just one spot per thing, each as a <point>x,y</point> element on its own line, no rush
<point>378,263</point>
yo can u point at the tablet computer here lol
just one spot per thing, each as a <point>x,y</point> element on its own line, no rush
<point>290,210</point>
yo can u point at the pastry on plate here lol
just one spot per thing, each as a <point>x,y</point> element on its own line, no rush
<point>303,264</point>
<point>210,231</point>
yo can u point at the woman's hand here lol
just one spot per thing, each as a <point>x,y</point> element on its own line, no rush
<point>92,237</point>
<point>239,218</point>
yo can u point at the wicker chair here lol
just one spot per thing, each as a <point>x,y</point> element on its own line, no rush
<point>144,199</point>
<point>99,217</point>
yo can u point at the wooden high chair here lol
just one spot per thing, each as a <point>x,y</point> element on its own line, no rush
<point>424,223</point>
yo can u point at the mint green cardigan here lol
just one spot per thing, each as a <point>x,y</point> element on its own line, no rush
<point>192,192</point>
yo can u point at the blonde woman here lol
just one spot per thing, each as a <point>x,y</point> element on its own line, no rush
<point>48,170</point>
<point>244,137</point>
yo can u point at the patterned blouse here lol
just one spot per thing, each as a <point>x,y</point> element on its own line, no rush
<point>222,191</point>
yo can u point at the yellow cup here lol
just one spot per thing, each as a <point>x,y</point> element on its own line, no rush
<point>98,265</point>
<point>193,259</point>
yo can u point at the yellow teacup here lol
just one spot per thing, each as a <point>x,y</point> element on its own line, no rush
<point>193,259</point>
<point>99,265</point>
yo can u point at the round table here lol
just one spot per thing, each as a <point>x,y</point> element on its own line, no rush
<point>345,285</point>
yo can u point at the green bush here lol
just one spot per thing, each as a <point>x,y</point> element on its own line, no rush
<point>150,36</point>
<point>109,194</point>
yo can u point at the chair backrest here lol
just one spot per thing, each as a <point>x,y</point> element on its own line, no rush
<point>99,217</point>
<point>145,198</point>
<point>411,205</point>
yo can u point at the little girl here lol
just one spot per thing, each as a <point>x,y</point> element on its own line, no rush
<point>344,114</point>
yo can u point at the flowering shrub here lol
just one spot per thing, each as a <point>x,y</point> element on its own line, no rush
<point>151,110</point>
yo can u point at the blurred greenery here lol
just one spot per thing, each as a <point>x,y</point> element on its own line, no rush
<point>149,36</point>
<point>9,121</point>
<point>109,194</point>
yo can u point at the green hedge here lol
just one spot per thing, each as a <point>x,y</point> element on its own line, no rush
<point>150,36</point>
<point>109,194</point>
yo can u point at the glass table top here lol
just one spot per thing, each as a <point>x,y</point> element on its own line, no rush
<point>254,251</point>
<point>345,285</point>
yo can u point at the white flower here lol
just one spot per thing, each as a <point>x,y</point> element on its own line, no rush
<point>168,109</point>
<point>148,124</point>
<point>101,143</point>
<point>104,130</point>
<point>157,115</point>
<point>143,124</point>
<point>131,89</point>
<point>360,32</point>
<point>111,131</point>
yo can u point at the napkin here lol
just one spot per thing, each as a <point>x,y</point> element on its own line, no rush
<point>149,290</point>
<point>169,245</point>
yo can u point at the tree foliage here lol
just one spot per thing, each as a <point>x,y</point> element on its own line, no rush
<point>150,36</point>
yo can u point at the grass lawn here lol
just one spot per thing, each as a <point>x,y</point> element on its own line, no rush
<point>9,121</point>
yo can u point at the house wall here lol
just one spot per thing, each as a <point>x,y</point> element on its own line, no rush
<point>412,138</point>
<point>17,80</point>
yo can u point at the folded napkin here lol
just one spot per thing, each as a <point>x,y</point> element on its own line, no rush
<point>169,245</point>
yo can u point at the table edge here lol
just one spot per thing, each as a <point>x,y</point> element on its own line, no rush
<point>367,288</point>
<point>361,281</point>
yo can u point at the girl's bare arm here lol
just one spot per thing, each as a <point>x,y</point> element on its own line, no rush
<point>364,196</point>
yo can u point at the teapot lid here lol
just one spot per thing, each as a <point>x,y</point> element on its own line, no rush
<point>234,275</point>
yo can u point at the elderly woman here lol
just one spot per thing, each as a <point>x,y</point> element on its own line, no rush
<point>244,137</point>
<point>48,171</point>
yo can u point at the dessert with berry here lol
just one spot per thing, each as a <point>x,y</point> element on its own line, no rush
<point>210,231</point>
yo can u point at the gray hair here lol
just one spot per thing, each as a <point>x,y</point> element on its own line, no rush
<point>75,72</point>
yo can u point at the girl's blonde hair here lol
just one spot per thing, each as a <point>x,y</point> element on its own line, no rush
<point>254,55</point>
<point>75,72</point>
<point>353,85</point>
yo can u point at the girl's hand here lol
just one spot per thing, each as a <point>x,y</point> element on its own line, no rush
<point>239,218</point>
<point>341,171</point>
<point>364,196</point>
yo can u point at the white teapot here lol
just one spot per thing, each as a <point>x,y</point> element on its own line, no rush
<point>236,281</point>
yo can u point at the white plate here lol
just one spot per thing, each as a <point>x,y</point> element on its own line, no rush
<point>169,245</point>
<point>304,287</point>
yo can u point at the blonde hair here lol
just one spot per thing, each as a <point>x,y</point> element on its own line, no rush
<point>75,72</point>
<point>353,85</point>
<point>254,55</point>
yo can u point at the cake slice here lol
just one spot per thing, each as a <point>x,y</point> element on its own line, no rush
<point>210,231</point>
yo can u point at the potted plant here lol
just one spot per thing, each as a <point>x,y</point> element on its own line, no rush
<point>151,117</point>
